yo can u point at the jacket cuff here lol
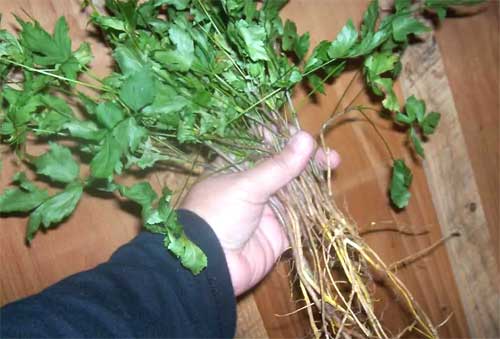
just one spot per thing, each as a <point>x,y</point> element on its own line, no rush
<point>216,272</point>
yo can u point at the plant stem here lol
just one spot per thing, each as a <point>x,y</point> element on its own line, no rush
<point>35,70</point>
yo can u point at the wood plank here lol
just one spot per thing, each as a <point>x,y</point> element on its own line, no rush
<point>470,50</point>
<point>455,193</point>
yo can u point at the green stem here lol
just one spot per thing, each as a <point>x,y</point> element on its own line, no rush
<point>35,70</point>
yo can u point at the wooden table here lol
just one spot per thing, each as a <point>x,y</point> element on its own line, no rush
<point>467,50</point>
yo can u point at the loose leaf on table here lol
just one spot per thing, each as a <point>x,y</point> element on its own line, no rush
<point>58,164</point>
<point>54,209</point>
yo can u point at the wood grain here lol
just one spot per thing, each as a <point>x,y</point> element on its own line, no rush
<point>455,193</point>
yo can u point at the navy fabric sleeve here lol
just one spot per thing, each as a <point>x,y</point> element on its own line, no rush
<point>141,292</point>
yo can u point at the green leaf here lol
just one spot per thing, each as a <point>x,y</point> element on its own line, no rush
<point>403,118</point>
<point>58,164</point>
<point>391,101</point>
<point>86,130</point>
<point>109,114</point>
<point>129,63</point>
<point>141,193</point>
<point>402,26</point>
<point>22,199</point>
<point>191,256</point>
<point>430,122</point>
<point>49,122</point>
<point>379,63</point>
<point>178,4</point>
<point>83,54</point>
<point>139,89</point>
<point>342,44</point>
<point>415,108</point>
<point>183,56</point>
<point>54,210</point>
<point>302,46</point>
<point>61,36</point>
<point>254,37</point>
<point>47,50</point>
<point>289,35</point>
<point>17,200</point>
<point>107,159</point>
<point>416,142</point>
<point>400,184</point>
<point>370,18</point>
<point>129,135</point>
<point>402,5</point>
<point>166,105</point>
<point>108,22</point>
<point>316,83</point>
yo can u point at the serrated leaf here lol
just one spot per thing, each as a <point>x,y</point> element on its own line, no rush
<point>86,130</point>
<point>403,26</point>
<point>342,44</point>
<point>302,45</point>
<point>415,108</point>
<point>180,59</point>
<point>370,18</point>
<point>402,118</point>
<point>430,122</point>
<point>108,22</point>
<point>22,199</point>
<point>416,142</point>
<point>289,36</point>
<point>254,36</point>
<point>128,62</point>
<point>400,184</point>
<point>47,50</point>
<point>390,101</point>
<point>141,193</point>
<point>54,209</point>
<point>138,90</point>
<point>109,114</point>
<point>129,135</point>
<point>58,164</point>
<point>107,159</point>
<point>379,63</point>
<point>317,83</point>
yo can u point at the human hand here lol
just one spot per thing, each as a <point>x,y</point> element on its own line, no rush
<point>236,206</point>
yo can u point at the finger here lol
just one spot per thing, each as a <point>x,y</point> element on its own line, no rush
<point>274,173</point>
<point>327,159</point>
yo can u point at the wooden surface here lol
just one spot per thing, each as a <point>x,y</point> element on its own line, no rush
<point>455,193</point>
<point>469,49</point>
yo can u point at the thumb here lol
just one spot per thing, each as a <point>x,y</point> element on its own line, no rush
<point>274,173</point>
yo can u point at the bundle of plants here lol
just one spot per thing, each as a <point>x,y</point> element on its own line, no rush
<point>196,80</point>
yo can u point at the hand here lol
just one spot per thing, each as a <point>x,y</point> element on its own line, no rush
<point>236,207</point>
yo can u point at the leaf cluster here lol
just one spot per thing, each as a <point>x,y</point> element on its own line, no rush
<point>188,74</point>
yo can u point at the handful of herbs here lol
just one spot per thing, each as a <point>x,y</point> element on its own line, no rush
<point>215,76</point>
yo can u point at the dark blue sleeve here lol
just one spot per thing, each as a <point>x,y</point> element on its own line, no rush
<point>141,292</point>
